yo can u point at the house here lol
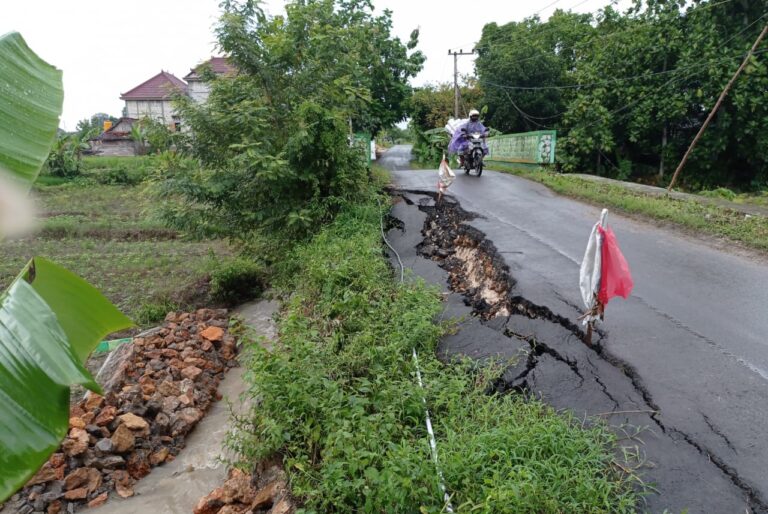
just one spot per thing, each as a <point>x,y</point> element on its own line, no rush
<point>116,140</point>
<point>154,99</point>
<point>197,88</point>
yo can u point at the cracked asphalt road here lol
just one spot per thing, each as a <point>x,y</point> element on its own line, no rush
<point>690,341</point>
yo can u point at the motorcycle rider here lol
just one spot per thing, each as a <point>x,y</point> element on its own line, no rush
<point>460,141</point>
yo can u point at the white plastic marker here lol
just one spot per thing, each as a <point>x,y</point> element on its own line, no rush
<point>604,274</point>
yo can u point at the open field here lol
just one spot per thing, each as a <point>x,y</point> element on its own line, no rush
<point>106,234</point>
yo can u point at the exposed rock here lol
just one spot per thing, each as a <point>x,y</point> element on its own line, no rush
<point>210,504</point>
<point>159,456</point>
<point>191,372</point>
<point>134,422</point>
<point>283,507</point>
<point>76,494</point>
<point>106,416</point>
<point>266,496</point>
<point>123,439</point>
<point>99,500</point>
<point>213,333</point>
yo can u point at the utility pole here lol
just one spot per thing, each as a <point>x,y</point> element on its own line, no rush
<point>716,107</point>
<point>456,79</point>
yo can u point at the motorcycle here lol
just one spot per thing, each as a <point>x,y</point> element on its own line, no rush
<point>473,155</point>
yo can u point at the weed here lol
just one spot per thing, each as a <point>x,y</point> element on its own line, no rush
<point>154,312</point>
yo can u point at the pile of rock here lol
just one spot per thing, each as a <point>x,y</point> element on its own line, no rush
<point>156,389</point>
<point>266,492</point>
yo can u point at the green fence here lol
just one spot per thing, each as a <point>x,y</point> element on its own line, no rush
<point>526,148</point>
<point>362,140</point>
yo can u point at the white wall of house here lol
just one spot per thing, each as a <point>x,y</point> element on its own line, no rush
<point>161,110</point>
<point>198,90</point>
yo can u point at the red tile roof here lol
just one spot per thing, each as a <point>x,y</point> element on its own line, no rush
<point>218,65</point>
<point>159,87</point>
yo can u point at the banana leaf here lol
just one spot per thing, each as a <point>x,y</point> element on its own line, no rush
<point>50,321</point>
<point>31,96</point>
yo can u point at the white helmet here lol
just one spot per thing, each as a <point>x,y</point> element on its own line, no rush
<point>474,112</point>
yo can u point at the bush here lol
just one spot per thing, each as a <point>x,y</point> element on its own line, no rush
<point>236,281</point>
<point>65,157</point>
<point>720,192</point>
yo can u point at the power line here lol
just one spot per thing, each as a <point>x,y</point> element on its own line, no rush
<point>614,80</point>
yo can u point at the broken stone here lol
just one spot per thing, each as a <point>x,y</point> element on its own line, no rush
<point>210,504</point>
<point>213,333</point>
<point>76,494</point>
<point>134,422</point>
<point>99,500</point>
<point>89,478</point>
<point>106,416</point>
<point>191,372</point>
<point>54,507</point>
<point>159,456</point>
<point>123,484</point>
<point>282,507</point>
<point>138,464</point>
<point>105,445</point>
<point>183,421</point>
<point>46,474</point>
<point>123,439</point>
<point>167,388</point>
<point>76,422</point>
<point>238,489</point>
<point>266,496</point>
<point>76,443</point>
<point>109,462</point>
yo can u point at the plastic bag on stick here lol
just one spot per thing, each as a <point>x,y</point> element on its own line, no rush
<point>445,176</point>
<point>616,279</point>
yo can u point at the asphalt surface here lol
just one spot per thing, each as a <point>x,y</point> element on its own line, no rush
<point>689,343</point>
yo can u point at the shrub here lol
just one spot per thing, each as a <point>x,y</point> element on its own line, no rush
<point>236,281</point>
<point>154,311</point>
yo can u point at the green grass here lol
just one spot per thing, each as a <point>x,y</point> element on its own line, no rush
<point>105,234</point>
<point>703,218</point>
<point>338,399</point>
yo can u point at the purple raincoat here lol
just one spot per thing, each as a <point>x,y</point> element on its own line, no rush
<point>459,143</point>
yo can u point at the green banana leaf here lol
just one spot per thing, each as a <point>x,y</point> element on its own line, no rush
<point>31,96</point>
<point>50,321</point>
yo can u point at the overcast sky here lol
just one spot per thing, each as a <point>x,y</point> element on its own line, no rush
<point>107,48</point>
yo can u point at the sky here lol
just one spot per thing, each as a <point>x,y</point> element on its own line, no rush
<point>107,48</point>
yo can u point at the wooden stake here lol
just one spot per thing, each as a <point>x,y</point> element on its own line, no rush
<point>716,107</point>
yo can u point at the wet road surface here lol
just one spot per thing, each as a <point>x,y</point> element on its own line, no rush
<point>689,343</point>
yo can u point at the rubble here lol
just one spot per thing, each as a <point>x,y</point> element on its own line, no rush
<point>156,389</point>
<point>243,493</point>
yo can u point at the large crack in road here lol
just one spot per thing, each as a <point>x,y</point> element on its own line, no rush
<point>547,358</point>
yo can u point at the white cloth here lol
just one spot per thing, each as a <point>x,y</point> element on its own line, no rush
<point>591,267</point>
<point>445,176</point>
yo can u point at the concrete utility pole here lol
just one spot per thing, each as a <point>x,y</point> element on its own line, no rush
<point>456,79</point>
<point>715,108</point>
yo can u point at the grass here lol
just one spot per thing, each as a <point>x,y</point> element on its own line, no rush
<point>104,234</point>
<point>337,398</point>
<point>752,231</point>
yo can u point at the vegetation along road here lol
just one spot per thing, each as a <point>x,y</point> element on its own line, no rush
<point>683,359</point>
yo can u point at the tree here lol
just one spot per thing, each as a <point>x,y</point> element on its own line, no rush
<point>94,125</point>
<point>273,140</point>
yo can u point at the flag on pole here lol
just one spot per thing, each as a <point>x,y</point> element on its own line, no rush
<point>604,272</point>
